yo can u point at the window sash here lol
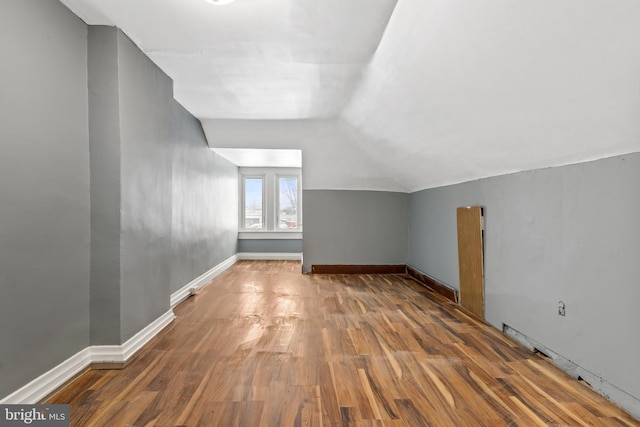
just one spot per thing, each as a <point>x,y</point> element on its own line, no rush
<point>283,218</point>
<point>271,212</point>
<point>259,211</point>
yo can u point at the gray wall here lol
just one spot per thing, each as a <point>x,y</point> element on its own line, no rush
<point>204,228</point>
<point>270,245</point>
<point>354,227</point>
<point>95,159</point>
<point>44,189</point>
<point>164,206</point>
<point>570,234</point>
<point>130,121</point>
<point>146,96</point>
<point>104,132</point>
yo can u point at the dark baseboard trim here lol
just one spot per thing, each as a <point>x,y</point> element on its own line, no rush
<point>358,269</point>
<point>420,277</point>
<point>431,283</point>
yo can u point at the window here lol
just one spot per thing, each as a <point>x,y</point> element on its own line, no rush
<point>253,203</point>
<point>287,202</point>
<point>271,200</point>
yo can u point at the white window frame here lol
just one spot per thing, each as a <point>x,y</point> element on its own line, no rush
<point>298,201</point>
<point>270,203</point>
<point>243,200</point>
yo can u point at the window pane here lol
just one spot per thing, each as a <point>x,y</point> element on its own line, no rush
<point>253,203</point>
<point>288,198</point>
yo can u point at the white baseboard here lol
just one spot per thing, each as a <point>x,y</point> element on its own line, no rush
<point>122,353</point>
<point>184,292</point>
<point>50,381</point>
<point>270,256</point>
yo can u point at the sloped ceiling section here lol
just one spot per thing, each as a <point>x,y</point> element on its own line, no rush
<point>332,159</point>
<point>400,95</point>
<point>252,59</point>
<point>462,89</point>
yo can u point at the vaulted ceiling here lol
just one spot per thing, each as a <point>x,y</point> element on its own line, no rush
<point>399,95</point>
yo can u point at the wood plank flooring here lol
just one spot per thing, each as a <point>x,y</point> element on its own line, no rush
<point>264,345</point>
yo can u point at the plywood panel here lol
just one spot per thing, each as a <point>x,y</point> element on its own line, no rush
<point>470,259</point>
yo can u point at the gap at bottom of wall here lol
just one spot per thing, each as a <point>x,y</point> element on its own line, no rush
<point>600,385</point>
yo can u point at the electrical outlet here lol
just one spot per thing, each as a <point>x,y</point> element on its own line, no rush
<point>562,309</point>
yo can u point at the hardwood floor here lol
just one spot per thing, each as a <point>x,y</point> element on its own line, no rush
<point>264,345</point>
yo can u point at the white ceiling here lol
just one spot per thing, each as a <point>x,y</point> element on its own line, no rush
<point>252,59</point>
<point>399,97</point>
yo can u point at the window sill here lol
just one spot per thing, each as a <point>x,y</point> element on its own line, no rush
<point>272,235</point>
